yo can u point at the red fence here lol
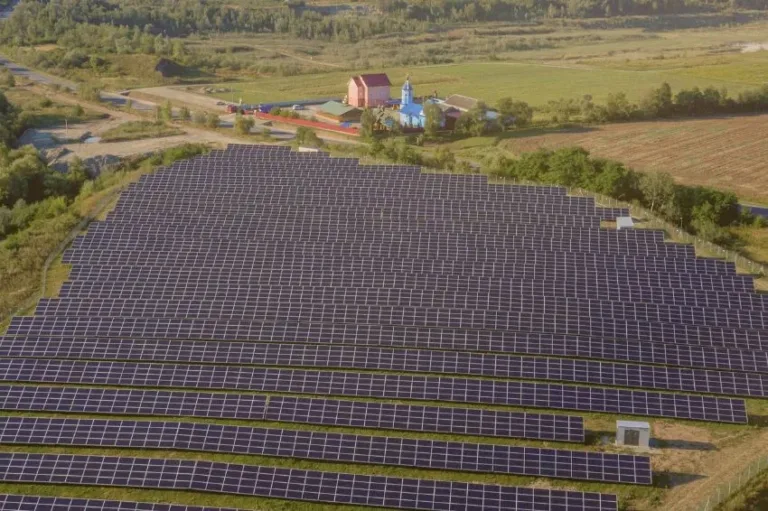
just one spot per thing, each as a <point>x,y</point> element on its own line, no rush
<point>309,124</point>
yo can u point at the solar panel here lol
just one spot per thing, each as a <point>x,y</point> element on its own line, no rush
<point>424,338</point>
<point>133,402</point>
<point>419,361</point>
<point>464,421</point>
<point>337,447</point>
<point>404,290</point>
<point>531,318</point>
<point>44,503</point>
<point>357,414</point>
<point>387,386</point>
<point>285,483</point>
<point>436,293</point>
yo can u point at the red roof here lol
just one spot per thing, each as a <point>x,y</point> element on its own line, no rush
<point>375,80</point>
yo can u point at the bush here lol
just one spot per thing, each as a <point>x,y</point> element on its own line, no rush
<point>199,118</point>
<point>307,137</point>
<point>212,121</point>
<point>243,124</point>
<point>89,92</point>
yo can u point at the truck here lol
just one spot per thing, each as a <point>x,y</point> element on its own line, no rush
<point>244,109</point>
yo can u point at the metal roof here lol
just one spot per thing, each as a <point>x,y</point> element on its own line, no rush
<point>633,425</point>
<point>336,108</point>
<point>461,102</point>
<point>375,80</point>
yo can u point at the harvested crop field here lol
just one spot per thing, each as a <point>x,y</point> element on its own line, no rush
<point>725,152</point>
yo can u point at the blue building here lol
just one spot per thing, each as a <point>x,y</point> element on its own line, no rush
<point>411,114</point>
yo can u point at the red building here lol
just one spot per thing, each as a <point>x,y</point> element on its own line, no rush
<point>367,91</point>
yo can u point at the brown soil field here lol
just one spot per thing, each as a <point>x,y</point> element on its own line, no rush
<point>725,152</point>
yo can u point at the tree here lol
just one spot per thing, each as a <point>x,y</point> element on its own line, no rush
<point>307,137</point>
<point>184,114</point>
<point>129,104</point>
<point>658,102</point>
<point>514,112</point>
<point>243,124</point>
<point>367,123</point>
<point>433,120</point>
<point>704,221</point>
<point>658,190</point>
<point>166,111</point>
<point>618,107</point>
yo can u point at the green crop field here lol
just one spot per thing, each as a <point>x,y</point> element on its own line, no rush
<point>534,83</point>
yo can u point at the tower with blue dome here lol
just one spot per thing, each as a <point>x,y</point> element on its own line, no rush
<point>407,93</point>
<point>411,114</point>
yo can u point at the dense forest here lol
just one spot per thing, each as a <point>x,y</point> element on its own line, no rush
<point>144,25</point>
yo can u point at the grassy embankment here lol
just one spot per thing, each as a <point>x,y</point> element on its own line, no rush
<point>137,130</point>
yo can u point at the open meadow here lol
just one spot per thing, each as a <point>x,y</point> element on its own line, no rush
<point>533,83</point>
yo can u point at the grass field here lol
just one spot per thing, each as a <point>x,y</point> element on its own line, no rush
<point>42,112</point>
<point>730,153</point>
<point>535,83</point>
<point>138,130</point>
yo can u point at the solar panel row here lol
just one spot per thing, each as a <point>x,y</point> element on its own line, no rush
<point>367,229</point>
<point>336,447</point>
<point>285,483</point>
<point>332,272</point>
<point>35,503</point>
<point>552,320</point>
<point>419,361</point>
<point>403,290</point>
<point>329,412</point>
<point>433,295</point>
<point>387,386</point>
<point>434,338</point>
<point>328,217</point>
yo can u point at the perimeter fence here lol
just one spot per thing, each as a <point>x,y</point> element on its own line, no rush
<point>725,490</point>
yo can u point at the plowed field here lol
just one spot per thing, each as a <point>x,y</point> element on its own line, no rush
<point>726,152</point>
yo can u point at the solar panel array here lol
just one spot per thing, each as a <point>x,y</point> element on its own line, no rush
<point>259,284</point>
<point>327,412</point>
<point>294,484</point>
<point>338,447</point>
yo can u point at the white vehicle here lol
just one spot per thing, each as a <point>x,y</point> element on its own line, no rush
<point>298,107</point>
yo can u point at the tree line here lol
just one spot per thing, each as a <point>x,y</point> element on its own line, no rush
<point>658,103</point>
<point>29,188</point>
<point>111,26</point>
<point>704,211</point>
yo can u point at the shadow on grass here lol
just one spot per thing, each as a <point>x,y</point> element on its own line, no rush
<point>682,444</point>
<point>760,421</point>
<point>674,479</point>
<point>567,129</point>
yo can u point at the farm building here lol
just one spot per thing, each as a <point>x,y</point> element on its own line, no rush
<point>368,91</point>
<point>465,104</point>
<point>338,112</point>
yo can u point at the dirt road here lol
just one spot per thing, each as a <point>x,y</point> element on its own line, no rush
<point>192,135</point>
